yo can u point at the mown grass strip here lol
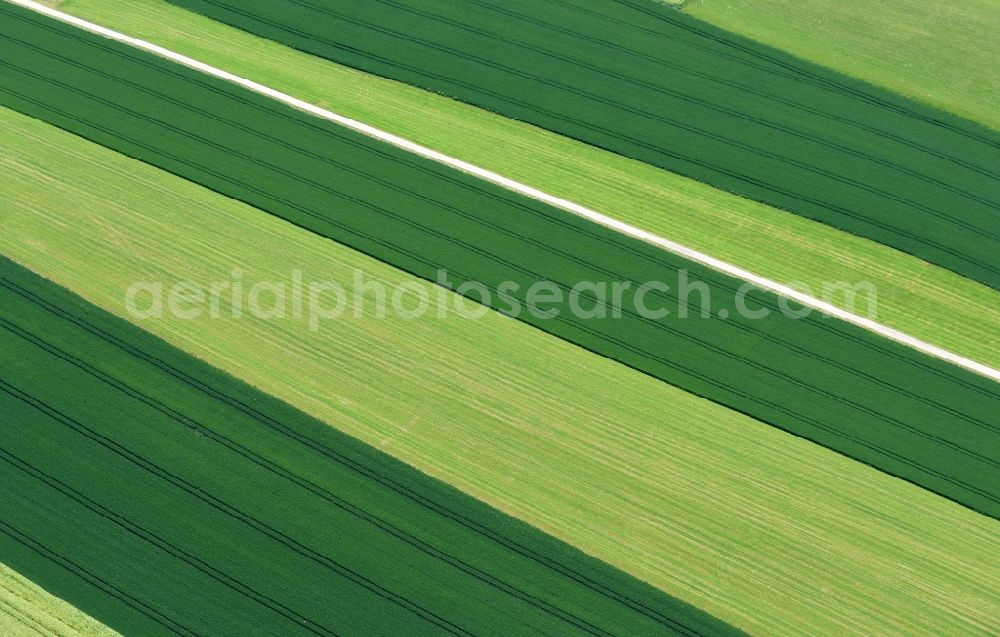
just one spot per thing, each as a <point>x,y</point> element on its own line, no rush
<point>28,610</point>
<point>217,510</point>
<point>714,507</point>
<point>938,52</point>
<point>685,96</point>
<point>928,302</point>
<point>842,387</point>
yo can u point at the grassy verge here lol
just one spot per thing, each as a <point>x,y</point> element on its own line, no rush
<point>926,301</point>
<point>27,610</point>
<point>713,507</point>
<point>940,52</point>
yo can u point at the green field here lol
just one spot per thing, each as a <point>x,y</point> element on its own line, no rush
<point>159,495</point>
<point>711,506</point>
<point>28,611</point>
<point>837,385</point>
<point>684,96</point>
<point>167,498</point>
<point>943,53</point>
<point>925,301</point>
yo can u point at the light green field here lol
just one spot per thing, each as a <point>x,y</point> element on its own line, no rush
<point>944,53</point>
<point>764,530</point>
<point>926,301</point>
<point>27,610</point>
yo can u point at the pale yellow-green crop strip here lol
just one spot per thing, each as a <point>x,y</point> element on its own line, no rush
<point>762,529</point>
<point>919,299</point>
<point>942,53</point>
<point>27,610</point>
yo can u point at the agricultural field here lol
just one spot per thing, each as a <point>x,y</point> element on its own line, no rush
<point>684,96</point>
<point>510,429</point>
<point>832,383</point>
<point>928,302</point>
<point>912,47</point>
<point>488,463</point>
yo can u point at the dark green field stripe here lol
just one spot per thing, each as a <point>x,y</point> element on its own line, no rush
<point>76,508</point>
<point>154,540</point>
<point>685,96</point>
<point>224,481</point>
<point>847,389</point>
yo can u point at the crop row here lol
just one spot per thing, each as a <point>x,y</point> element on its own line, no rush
<point>837,385</point>
<point>657,85</point>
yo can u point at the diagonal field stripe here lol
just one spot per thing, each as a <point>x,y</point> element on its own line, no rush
<point>528,191</point>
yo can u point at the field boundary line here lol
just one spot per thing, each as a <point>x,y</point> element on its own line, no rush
<point>528,191</point>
